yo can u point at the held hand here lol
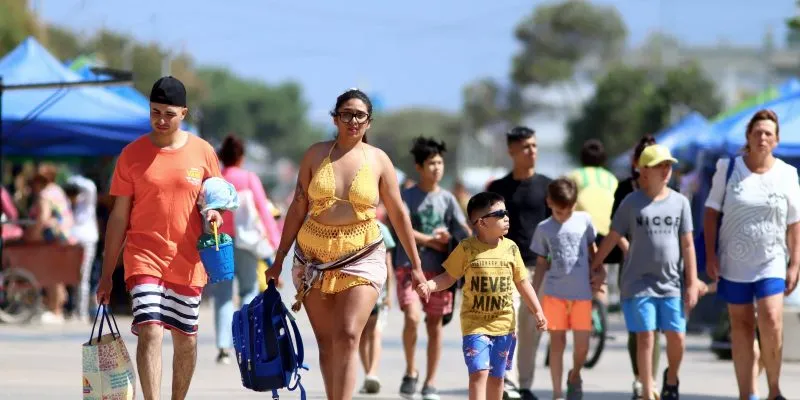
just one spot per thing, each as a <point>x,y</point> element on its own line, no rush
<point>541,321</point>
<point>595,265</point>
<point>441,235</point>
<point>213,216</point>
<point>712,266</point>
<point>598,278</point>
<point>690,298</point>
<point>104,290</point>
<point>791,279</point>
<point>418,278</point>
<point>702,289</point>
<point>599,290</point>
<point>424,291</point>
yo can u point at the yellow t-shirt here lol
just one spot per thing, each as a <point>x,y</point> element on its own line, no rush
<point>491,274</point>
<point>596,187</point>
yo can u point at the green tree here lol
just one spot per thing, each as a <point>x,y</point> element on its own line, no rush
<point>683,89</point>
<point>629,102</point>
<point>394,132</point>
<point>614,113</point>
<point>16,24</point>
<point>63,43</point>
<point>557,37</point>
<point>272,115</point>
<point>793,25</point>
<point>486,101</point>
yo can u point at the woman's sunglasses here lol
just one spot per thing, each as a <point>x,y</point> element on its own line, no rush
<point>347,116</point>
<point>494,214</point>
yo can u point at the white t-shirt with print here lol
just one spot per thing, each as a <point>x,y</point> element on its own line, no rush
<point>757,210</point>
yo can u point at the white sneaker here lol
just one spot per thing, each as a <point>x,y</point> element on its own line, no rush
<point>372,385</point>
<point>48,318</point>
<point>638,391</point>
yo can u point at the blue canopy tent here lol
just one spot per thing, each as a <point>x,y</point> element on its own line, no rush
<point>712,140</point>
<point>790,86</point>
<point>61,121</point>
<point>788,110</point>
<point>125,92</point>
<point>674,137</point>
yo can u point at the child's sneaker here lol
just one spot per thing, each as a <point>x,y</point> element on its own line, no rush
<point>223,357</point>
<point>526,394</point>
<point>669,392</point>
<point>510,391</point>
<point>574,390</point>
<point>409,386</point>
<point>372,385</point>
<point>429,393</point>
<point>637,390</point>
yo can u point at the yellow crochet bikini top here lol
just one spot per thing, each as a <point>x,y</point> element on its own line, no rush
<point>363,193</point>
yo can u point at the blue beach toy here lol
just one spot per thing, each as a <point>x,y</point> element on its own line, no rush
<point>216,253</point>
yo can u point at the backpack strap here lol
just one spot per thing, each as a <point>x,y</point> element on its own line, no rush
<point>298,339</point>
<point>728,173</point>
<point>248,355</point>
<point>297,347</point>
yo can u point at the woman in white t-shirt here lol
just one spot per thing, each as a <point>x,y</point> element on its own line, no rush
<point>759,236</point>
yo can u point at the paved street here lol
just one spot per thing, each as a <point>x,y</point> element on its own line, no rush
<point>44,362</point>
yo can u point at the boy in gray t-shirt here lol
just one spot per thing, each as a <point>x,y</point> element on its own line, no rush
<point>437,220</point>
<point>660,260</point>
<point>564,244</point>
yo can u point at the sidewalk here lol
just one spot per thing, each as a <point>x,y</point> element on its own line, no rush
<point>44,362</point>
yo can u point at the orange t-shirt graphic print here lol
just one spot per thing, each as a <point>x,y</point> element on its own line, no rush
<point>165,222</point>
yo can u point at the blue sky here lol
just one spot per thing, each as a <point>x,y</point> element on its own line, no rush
<point>408,52</point>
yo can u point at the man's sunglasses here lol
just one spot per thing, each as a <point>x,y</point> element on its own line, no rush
<point>493,214</point>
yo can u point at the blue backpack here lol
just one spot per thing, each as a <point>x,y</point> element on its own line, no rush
<point>269,359</point>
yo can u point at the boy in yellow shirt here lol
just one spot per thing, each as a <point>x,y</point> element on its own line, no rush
<point>493,267</point>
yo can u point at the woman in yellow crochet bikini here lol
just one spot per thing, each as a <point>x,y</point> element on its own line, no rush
<point>339,260</point>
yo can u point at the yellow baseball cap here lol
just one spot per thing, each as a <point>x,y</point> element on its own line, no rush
<point>655,154</point>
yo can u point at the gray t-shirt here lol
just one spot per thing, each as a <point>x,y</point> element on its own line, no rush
<point>428,211</point>
<point>567,248</point>
<point>654,265</point>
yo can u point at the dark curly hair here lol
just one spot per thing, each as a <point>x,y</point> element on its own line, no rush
<point>425,148</point>
<point>231,151</point>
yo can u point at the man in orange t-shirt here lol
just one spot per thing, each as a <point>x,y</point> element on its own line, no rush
<point>156,184</point>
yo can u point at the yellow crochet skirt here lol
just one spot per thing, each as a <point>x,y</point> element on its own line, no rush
<point>329,243</point>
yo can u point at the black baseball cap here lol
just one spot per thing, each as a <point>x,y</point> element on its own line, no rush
<point>170,91</point>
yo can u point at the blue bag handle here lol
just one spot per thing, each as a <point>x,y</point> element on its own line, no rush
<point>106,317</point>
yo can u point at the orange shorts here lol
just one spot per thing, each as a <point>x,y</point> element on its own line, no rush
<point>567,315</point>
